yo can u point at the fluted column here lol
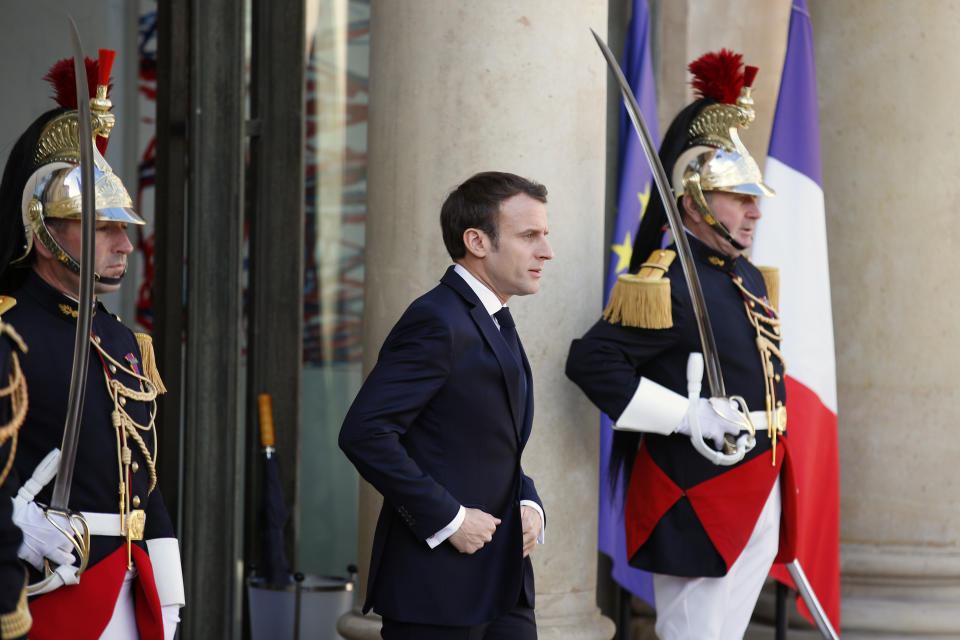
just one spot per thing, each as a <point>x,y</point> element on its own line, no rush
<point>461,87</point>
<point>888,122</point>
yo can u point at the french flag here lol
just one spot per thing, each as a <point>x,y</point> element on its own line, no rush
<point>792,236</point>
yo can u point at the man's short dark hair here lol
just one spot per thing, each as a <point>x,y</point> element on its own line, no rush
<point>475,204</point>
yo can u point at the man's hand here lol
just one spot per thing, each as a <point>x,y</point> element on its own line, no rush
<point>41,539</point>
<point>530,521</point>
<point>718,417</point>
<point>477,530</point>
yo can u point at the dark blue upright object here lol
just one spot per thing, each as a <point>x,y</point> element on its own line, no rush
<point>273,507</point>
<point>440,422</point>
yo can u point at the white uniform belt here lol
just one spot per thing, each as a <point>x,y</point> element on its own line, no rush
<point>759,419</point>
<point>103,524</point>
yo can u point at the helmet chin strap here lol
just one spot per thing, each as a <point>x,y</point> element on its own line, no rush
<point>692,184</point>
<point>724,233</point>
<point>110,281</point>
<point>68,261</point>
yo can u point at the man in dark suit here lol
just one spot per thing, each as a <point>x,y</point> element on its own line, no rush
<point>440,424</point>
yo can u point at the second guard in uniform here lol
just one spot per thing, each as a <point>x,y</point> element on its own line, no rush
<point>127,582</point>
<point>14,613</point>
<point>709,532</point>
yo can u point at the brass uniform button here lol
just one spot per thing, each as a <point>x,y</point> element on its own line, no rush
<point>123,401</point>
<point>113,368</point>
<point>135,466</point>
<point>136,501</point>
<point>96,339</point>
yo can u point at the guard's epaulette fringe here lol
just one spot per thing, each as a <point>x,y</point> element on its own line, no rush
<point>7,303</point>
<point>643,299</point>
<point>771,278</point>
<point>149,360</point>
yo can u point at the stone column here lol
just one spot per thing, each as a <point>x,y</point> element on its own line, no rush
<point>890,166</point>
<point>461,87</point>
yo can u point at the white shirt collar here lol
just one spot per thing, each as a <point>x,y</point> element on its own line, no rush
<point>487,297</point>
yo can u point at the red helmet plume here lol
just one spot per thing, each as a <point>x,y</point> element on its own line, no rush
<point>63,79</point>
<point>717,75</point>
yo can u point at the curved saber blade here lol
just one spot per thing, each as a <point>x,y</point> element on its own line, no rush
<point>810,599</point>
<point>711,359</point>
<point>81,346</point>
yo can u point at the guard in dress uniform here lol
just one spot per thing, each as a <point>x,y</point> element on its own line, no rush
<point>709,532</point>
<point>129,584</point>
<point>14,613</point>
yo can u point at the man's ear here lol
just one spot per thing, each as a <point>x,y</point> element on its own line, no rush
<point>39,247</point>
<point>476,242</point>
<point>689,209</point>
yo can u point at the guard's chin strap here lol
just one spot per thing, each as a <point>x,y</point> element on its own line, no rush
<point>64,258</point>
<point>692,184</point>
<point>109,281</point>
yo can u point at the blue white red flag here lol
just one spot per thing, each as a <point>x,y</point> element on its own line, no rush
<point>792,236</point>
<point>633,194</point>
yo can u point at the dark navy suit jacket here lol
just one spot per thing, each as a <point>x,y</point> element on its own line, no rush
<point>440,422</point>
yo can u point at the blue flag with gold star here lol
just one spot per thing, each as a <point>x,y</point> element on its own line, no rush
<point>636,178</point>
<point>635,183</point>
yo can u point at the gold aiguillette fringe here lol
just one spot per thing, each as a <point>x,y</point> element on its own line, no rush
<point>643,299</point>
<point>771,277</point>
<point>149,360</point>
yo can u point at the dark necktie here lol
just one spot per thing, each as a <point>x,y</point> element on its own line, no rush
<point>509,331</point>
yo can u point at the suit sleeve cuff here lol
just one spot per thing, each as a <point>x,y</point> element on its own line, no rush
<point>543,519</point>
<point>434,540</point>
<point>653,409</point>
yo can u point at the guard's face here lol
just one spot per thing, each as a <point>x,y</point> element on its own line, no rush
<point>515,265</point>
<point>112,248</point>
<point>738,211</point>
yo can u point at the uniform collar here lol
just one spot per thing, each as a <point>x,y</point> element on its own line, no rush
<point>706,254</point>
<point>54,301</point>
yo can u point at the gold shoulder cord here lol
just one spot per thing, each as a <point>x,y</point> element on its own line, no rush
<point>126,427</point>
<point>16,390</point>
<point>766,321</point>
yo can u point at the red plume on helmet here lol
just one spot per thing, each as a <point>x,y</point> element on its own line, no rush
<point>61,76</point>
<point>717,75</point>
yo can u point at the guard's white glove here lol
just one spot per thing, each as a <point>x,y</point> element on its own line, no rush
<point>718,417</point>
<point>40,538</point>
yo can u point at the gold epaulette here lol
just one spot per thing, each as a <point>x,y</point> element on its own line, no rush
<point>643,299</point>
<point>7,303</point>
<point>149,360</point>
<point>771,278</point>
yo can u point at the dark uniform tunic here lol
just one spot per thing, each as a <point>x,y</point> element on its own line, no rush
<point>686,516</point>
<point>47,321</point>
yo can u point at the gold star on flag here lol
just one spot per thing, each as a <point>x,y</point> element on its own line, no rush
<point>623,251</point>
<point>644,198</point>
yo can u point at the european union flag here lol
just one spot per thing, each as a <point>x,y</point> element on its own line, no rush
<point>634,191</point>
